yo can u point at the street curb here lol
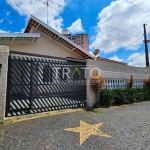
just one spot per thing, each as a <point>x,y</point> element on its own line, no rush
<point>41,115</point>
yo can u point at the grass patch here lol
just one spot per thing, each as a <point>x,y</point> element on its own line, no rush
<point>97,111</point>
<point>2,122</point>
<point>93,110</point>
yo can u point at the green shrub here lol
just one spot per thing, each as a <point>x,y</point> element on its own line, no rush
<point>2,122</point>
<point>123,96</point>
<point>106,98</point>
<point>146,93</point>
<point>131,95</point>
<point>119,96</point>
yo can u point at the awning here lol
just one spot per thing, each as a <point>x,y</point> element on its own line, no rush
<point>8,38</point>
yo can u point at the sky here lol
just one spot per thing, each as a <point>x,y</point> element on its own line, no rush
<point>115,27</point>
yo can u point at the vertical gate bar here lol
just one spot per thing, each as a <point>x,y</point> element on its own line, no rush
<point>85,101</point>
<point>8,88</point>
<point>31,86</point>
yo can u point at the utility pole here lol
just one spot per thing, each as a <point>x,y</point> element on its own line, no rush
<point>146,45</point>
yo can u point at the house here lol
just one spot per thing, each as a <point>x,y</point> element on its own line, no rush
<point>39,38</point>
<point>43,70</point>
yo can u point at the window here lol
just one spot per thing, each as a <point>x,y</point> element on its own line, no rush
<point>73,38</point>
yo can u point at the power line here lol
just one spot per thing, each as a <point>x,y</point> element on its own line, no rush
<point>90,26</point>
<point>47,4</point>
<point>126,47</point>
<point>117,39</point>
<point>104,33</point>
<point>93,19</point>
<point>17,6</point>
<point>139,7</point>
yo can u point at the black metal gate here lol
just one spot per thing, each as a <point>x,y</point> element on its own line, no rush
<point>38,83</point>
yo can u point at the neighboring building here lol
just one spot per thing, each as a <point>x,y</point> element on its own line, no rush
<point>80,39</point>
<point>111,61</point>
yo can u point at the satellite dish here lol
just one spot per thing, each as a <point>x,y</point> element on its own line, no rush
<point>96,52</point>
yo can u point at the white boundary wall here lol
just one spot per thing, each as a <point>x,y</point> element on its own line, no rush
<point>115,75</point>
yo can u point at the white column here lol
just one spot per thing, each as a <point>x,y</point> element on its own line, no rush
<point>4,52</point>
<point>90,93</point>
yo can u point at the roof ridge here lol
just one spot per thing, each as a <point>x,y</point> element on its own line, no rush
<point>58,34</point>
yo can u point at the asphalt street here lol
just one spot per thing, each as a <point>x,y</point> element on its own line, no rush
<point>120,128</point>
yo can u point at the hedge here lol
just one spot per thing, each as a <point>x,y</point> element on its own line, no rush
<point>123,96</point>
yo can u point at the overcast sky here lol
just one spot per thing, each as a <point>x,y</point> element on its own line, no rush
<point>113,27</point>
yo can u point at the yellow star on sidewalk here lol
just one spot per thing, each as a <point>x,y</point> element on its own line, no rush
<point>86,130</point>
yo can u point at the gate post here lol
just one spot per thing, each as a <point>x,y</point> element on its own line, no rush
<point>90,93</point>
<point>4,53</point>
